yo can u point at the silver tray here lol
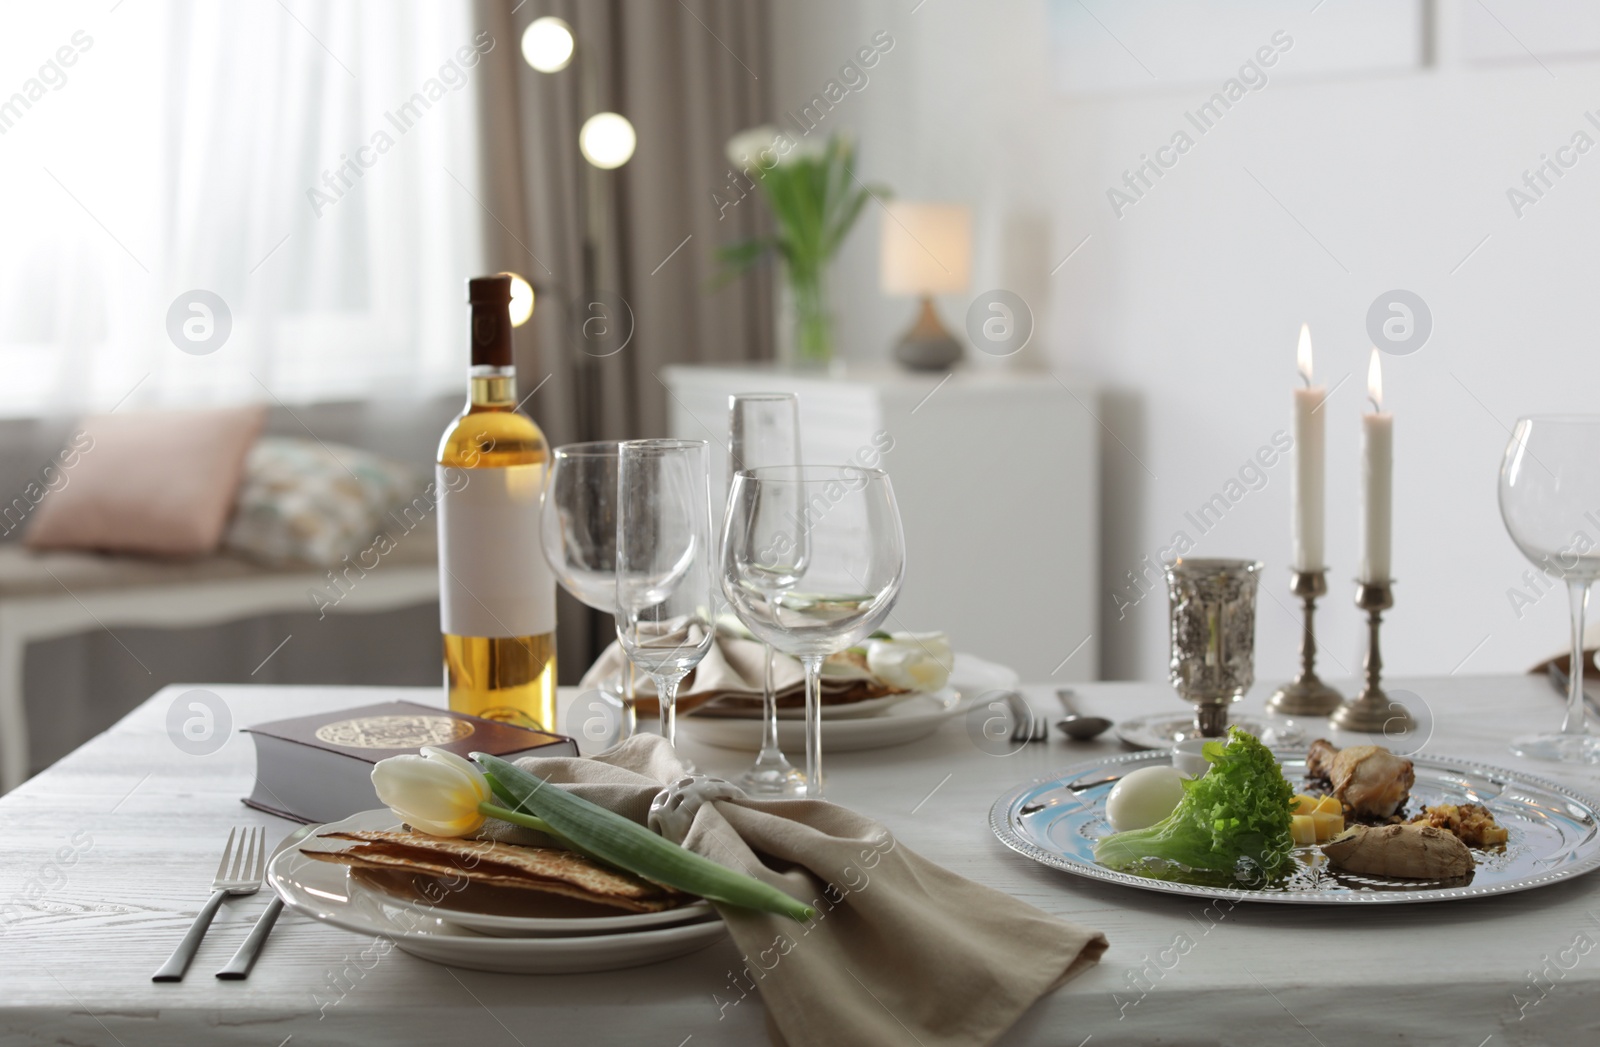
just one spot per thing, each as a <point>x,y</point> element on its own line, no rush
<point>1554,833</point>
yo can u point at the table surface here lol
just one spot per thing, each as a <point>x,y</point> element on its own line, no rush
<point>109,854</point>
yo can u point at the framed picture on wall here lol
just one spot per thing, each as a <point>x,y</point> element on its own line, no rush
<point>1100,48</point>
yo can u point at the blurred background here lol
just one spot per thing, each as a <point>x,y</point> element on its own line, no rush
<point>276,204</point>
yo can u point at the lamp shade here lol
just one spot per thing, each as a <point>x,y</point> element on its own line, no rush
<point>926,248</point>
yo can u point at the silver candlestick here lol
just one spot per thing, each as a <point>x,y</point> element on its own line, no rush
<point>1307,695</point>
<point>1372,709</point>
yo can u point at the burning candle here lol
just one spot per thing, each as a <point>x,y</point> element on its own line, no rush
<point>1377,480</point>
<point>1307,479</point>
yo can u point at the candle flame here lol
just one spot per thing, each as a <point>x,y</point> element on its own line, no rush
<point>1375,382</point>
<point>1303,353</point>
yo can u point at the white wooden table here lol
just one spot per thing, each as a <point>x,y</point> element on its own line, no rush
<point>109,854</point>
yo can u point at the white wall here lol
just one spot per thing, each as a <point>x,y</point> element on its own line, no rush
<point>1186,307</point>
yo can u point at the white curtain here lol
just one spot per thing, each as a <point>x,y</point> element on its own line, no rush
<point>314,165</point>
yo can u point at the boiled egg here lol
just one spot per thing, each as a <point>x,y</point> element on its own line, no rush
<point>1144,797</point>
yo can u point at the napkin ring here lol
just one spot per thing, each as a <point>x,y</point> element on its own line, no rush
<point>673,809</point>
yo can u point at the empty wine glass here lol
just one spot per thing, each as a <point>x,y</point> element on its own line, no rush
<point>1549,484</point>
<point>763,430</point>
<point>813,558</point>
<point>664,595</point>
<point>578,532</point>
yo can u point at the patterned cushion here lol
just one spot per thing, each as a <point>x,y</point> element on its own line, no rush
<point>305,502</point>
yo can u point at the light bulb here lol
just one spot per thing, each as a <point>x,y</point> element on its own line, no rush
<point>607,140</point>
<point>547,44</point>
<point>521,299</point>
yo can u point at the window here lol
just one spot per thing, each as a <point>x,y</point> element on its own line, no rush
<point>309,169</point>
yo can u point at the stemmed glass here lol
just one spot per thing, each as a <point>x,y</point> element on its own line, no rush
<point>578,531</point>
<point>813,558</point>
<point>763,430</point>
<point>664,596</point>
<point>1549,484</point>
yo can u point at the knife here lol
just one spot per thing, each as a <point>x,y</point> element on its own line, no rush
<point>245,958</point>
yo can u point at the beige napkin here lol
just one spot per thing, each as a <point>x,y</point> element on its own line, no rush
<point>900,944</point>
<point>732,668</point>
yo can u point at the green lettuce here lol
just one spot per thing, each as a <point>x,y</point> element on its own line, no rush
<point>1232,823</point>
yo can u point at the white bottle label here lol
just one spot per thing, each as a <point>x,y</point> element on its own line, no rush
<point>493,579</point>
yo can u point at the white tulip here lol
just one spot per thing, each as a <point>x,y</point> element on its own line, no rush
<point>807,147</point>
<point>437,793</point>
<point>913,661</point>
<point>746,147</point>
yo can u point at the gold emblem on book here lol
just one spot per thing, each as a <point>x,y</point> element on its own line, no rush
<point>394,732</point>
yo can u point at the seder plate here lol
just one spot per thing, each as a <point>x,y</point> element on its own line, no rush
<point>1554,833</point>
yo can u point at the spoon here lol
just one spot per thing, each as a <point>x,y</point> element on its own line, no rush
<point>1078,728</point>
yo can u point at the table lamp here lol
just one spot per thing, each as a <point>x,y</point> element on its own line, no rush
<point>926,250</point>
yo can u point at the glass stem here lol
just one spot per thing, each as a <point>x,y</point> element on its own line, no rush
<point>630,701</point>
<point>667,688</point>
<point>769,716</point>
<point>813,665</point>
<point>1578,597</point>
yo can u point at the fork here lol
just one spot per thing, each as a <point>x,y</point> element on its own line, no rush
<point>1029,727</point>
<point>240,872</point>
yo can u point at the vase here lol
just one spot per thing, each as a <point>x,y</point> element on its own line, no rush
<point>812,319</point>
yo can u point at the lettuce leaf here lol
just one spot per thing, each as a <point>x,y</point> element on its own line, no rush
<point>1233,821</point>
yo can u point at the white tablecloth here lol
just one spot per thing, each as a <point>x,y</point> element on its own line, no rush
<point>108,855</point>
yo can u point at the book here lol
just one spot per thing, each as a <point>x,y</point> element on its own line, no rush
<point>319,768</point>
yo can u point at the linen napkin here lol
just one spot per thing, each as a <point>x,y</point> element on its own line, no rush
<point>733,668</point>
<point>899,944</point>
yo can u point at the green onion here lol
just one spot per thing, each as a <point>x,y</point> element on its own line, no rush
<point>628,845</point>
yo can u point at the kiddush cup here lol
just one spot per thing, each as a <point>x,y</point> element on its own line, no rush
<point>1212,610</point>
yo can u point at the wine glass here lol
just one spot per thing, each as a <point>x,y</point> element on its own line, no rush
<point>764,429</point>
<point>813,558</point>
<point>664,596</point>
<point>578,531</point>
<point>1549,483</point>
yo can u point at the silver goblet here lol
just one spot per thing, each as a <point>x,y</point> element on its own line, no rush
<point>1212,609</point>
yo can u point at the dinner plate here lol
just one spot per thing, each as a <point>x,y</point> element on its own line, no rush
<point>901,722</point>
<point>1554,833</point>
<point>505,912</point>
<point>750,708</point>
<point>1164,730</point>
<point>328,892</point>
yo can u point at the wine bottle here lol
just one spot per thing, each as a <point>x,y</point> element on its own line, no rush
<point>497,596</point>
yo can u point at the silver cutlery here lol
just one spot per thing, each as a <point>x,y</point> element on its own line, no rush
<point>1074,725</point>
<point>244,860</point>
<point>245,958</point>
<point>1028,727</point>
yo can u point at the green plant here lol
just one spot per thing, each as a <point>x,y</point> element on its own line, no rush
<point>816,199</point>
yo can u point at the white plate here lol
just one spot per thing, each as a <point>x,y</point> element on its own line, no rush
<point>494,911</point>
<point>326,892</point>
<point>905,721</point>
<point>750,709</point>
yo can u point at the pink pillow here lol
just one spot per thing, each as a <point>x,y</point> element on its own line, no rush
<point>157,482</point>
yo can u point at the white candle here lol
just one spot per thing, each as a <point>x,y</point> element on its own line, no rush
<point>1307,479</point>
<point>1377,480</point>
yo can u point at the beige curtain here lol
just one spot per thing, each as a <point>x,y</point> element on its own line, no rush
<point>688,76</point>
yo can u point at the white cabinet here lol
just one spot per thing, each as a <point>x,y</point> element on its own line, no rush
<point>996,474</point>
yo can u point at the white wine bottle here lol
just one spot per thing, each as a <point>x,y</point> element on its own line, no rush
<point>497,596</point>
